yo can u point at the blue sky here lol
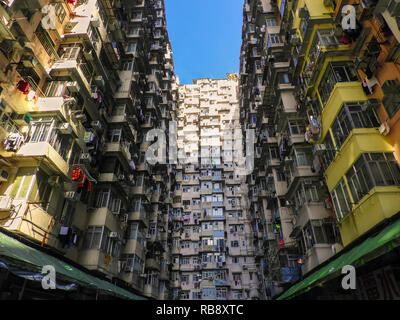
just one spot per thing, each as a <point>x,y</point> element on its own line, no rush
<point>205,36</point>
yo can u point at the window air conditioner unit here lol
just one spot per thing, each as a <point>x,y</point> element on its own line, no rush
<point>81,117</point>
<point>88,54</point>
<point>99,80</point>
<point>3,175</point>
<point>73,86</point>
<point>96,124</point>
<point>114,235</point>
<point>65,128</point>
<point>384,129</point>
<point>85,157</point>
<point>71,195</point>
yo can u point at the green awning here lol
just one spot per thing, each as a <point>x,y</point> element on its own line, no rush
<point>371,248</point>
<point>14,252</point>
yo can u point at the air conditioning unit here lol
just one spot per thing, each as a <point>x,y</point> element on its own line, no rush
<point>86,157</point>
<point>81,117</point>
<point>71,195</point>
<point>99,80</point>
<point>88,54</point>
<point>384,129</point>
<point>3,175</point>
<point>70,101</point>
<point>73,86</point>
<point>114,235</point>
<point>96,125</point>
<point>143,275</point>
<point>54,180</point>
<point>65,128</point>
<point>244,267</point>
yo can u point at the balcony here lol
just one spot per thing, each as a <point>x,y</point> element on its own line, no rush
<point>153,264</point>
<point>134,246</point>
<point>341,93</point>
<point>30,220</point>
<point>46,152</point>
<point>209,248</point>
<point>140,216</point>
<point>121,150</point>
<point>362,140</point>
<point>151,291</point>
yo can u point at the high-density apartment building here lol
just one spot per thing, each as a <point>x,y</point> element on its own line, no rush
<point>213,251</point>
<point>319,82</point>
<point>81,84</point>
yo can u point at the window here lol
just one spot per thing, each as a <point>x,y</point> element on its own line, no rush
<point>296,127</point>
<point>350,117</point>
<point>329,155</point>
<point>336,72</point>
<point>54,89</point>
<point>132,231</point>
<point>274,38</point>
<point>271,22</point>
<point>341,200</point>
<point>303,157</point>
<point>41,130</point>
<point>60,12</point>
<point>132,46</point>
<point>127,66</point>
<point>327,37</point>
<point>371,170</point>
<point>93,237</point>
<point>45,40</point>
<point>221,292</point>
<point>70,53</point>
